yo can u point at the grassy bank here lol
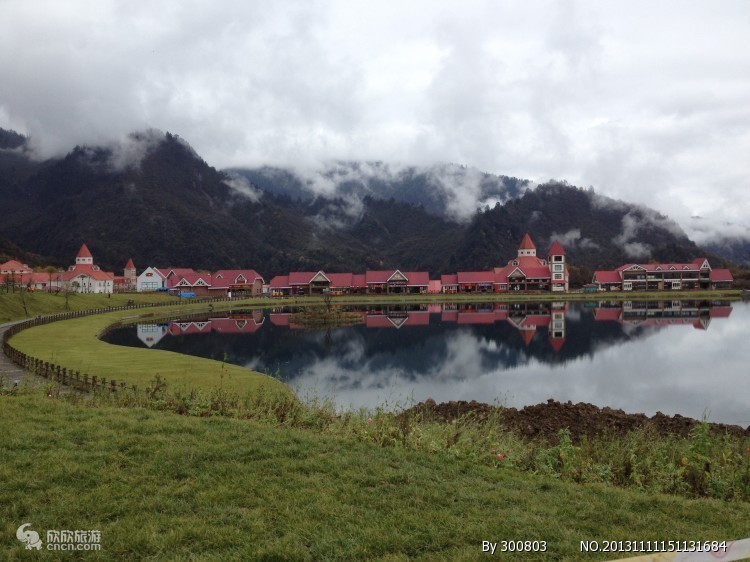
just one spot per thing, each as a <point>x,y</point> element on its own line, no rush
<point>75,344</point>
<point>166,487</point>
<point>40,303</point>
<point>12,307</point>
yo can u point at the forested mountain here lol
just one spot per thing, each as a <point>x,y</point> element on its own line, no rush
<point>446,190</point>
<point>154,199</point>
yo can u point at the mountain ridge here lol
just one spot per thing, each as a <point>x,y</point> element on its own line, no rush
<point>153,198</point>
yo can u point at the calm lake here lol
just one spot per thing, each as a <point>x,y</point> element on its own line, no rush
<point>677,357</point>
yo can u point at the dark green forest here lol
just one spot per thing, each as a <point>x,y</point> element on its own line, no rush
<point>171,208</point>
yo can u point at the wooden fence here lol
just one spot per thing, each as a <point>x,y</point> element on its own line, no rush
<point>63,375</point>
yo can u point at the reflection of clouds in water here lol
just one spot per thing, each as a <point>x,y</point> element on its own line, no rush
<point>675,369</point>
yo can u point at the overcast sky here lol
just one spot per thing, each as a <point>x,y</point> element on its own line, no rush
<point>646,101</point>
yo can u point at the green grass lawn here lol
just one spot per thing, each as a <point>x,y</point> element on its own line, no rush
<point>75,344</point>
<point>11,305</point>
<point>165,487</point>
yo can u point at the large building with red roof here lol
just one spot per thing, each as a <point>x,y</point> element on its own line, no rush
<point>697,274</point>
<point>86,277</point>
<point>13,267</point>
<point>524,273</point>
<point>380,282</point>
<point>236,282</point>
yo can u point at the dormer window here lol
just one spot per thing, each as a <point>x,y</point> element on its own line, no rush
<point>515,262</point>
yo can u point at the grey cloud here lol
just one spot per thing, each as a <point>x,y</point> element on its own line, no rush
<point>645,106</point>
<point>243,187</point>
<point>573,239</point>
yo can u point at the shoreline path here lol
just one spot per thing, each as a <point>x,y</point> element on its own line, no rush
<point>10,373</point>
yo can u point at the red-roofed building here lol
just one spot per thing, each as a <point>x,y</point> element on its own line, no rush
<point>86,277</point>
<point>14,267</point>
<point>34,281</point>
<point>279,286</point>
<point>449,283</point>
<point>359,283</point>
<point>236,282</point>
<point>525,273</point>
<point>393,281</point>
<point>309,283</point>
<point>128,281</point>
<point>151,279</point>
<point>475,281</point>
<point>663,277</point>
<point>189,281</point>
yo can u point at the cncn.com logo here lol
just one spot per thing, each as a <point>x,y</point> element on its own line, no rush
<point>29,538</point>
<point>60,539</point>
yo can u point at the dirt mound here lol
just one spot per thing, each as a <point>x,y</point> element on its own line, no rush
<point>546,420</point>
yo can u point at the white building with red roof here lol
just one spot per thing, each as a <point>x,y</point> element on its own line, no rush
<point>151,279</point>
<point>14,267</point>
<point>525,272</point>
<point>86,277</point>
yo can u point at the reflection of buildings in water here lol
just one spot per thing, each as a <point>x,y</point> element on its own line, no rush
<point>240,323</point>
<point>527,318</point>
<point>524,317</point>
<point>151,334</point>
<point>663,313</point>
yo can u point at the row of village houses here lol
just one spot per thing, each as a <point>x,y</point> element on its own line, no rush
<point>527,272</point>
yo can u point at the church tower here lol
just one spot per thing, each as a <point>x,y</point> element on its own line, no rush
<point>84,256</point>
<point>527,247</point>
<point>130,276</point>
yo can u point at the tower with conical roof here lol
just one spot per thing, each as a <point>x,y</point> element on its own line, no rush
<point>130,276</point>
<point>84,256</point>
<point>527,247</point>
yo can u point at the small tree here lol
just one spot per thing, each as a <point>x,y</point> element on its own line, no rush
<point>22,296</point>
<point>67,290</point>
<point>327,300</point>
<point>50,269</point>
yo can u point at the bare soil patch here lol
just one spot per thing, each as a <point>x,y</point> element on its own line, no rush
<point>545,420</point>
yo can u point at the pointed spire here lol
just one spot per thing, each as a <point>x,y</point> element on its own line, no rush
<point>130,264</point>
<point>84,252</point>
<point>557,249</point>
<point>526,243</point>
